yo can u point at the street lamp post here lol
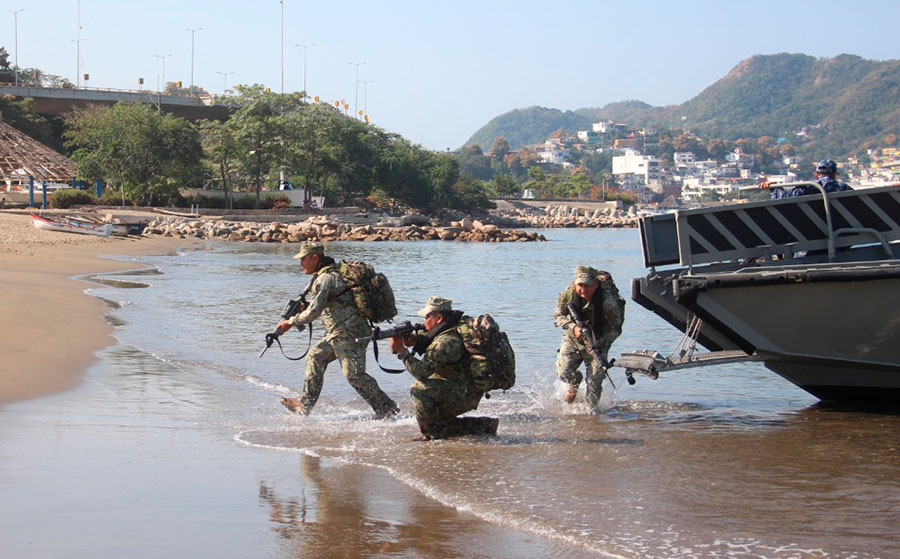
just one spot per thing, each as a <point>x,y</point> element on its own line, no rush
<point>160,58</point>
<point>192,56</point>
<point>78,61</point>
<point>304,64</point>
<point>366,95</point>
<point>224,80</point>
<point>356,88</point>
<point>282,45</point>
<point>16,21</point>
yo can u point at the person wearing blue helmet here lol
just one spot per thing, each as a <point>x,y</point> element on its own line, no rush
<point>825,174</point>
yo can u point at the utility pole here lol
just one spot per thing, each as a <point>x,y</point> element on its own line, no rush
<point>224,80</point>
<point>304,64</point>
<point>160,58</point>
<point>366,95</point>
<point>16,22</point>
<point>282,45</point>
<point>192,56</point>
<point>356,88</point>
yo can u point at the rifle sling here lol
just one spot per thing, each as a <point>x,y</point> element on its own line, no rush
<point>308,346</point>
<point>375,351</point>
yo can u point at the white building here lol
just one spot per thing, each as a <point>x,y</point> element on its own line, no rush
<point>609,126</point>
<point>684,158</point>
<point>637,173</point>
<point>744,160</point>
<point>556,156</point>
<point>694,188</point>
<point>588,136</point>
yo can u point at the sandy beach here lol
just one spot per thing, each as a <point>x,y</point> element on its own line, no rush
<point>51,328</point>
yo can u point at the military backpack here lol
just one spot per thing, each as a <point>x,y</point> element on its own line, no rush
<point>493,362</point>
<point>371,290</point>
<point>610,286</point>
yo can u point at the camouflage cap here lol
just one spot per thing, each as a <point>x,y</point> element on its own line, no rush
<point>826,166</point>
<point>585,274</point>
<point>436,303</point>
<point>310,247</point>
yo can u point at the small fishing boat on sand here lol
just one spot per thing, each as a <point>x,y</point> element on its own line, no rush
<point>73,226</point>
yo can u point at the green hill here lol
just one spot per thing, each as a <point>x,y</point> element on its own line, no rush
<point>522,127</point>
<point>844,101</point>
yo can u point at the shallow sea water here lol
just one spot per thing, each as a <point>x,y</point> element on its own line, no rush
<point>729,461</point>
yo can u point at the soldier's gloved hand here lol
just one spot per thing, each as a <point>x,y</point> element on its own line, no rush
<point>396,344</point>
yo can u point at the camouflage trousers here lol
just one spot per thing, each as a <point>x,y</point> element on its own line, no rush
<point>438,402</point>
<point>571,355</point>
<point>352,357</point>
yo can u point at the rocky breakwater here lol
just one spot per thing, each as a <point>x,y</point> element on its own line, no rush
<point>564,216</point>
<point>323,228</point>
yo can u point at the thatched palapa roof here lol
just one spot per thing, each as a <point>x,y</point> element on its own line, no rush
<point>22,156</point>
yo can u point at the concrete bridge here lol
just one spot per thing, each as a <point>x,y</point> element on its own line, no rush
<point>58,101</point>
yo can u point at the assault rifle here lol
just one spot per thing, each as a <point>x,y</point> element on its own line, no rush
<point>293,307</point>
<point>402,329</point>
<point>587,335</point>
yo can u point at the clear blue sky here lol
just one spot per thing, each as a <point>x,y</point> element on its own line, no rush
<point>440,70</point>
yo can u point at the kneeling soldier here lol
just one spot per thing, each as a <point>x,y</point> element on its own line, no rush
<point>444,387</point>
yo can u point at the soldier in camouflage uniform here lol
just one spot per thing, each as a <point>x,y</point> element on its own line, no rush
<point>331,299</point>
<point>444,387</point>
<point>595,297</point>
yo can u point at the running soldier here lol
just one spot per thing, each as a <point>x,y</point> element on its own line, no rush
<point>444,387</point>
<point>594,295</point>
<point>331,299</point>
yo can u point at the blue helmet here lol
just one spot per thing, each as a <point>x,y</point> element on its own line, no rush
<point>826,166</point>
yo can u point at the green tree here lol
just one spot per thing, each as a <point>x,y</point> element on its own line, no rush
<point>500,148</point>
<point>221,152</point>
<point>256,128</point>
<point>22,116</point>
<point>147,155</point>
<point>505,186</point>
<point>474,162</point>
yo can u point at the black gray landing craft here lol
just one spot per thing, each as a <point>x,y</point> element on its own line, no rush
<point>810,286</point>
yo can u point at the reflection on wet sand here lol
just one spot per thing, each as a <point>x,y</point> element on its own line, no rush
<point>348,511</point>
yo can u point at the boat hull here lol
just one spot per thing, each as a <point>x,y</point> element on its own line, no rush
<point>833,331</point>
<point>103,230</point>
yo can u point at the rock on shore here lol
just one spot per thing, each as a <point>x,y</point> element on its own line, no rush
<point>322,228</point>
<point>565,216</point>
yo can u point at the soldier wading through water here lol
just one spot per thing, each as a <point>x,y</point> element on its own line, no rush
<point>331,299</point>
<point>594,295</point>
<point>444,387</point>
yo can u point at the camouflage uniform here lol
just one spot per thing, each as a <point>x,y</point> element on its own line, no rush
<point>826,180</point>
<point>444,387</point>
<point>572,351</point>
<point>330,299</point>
